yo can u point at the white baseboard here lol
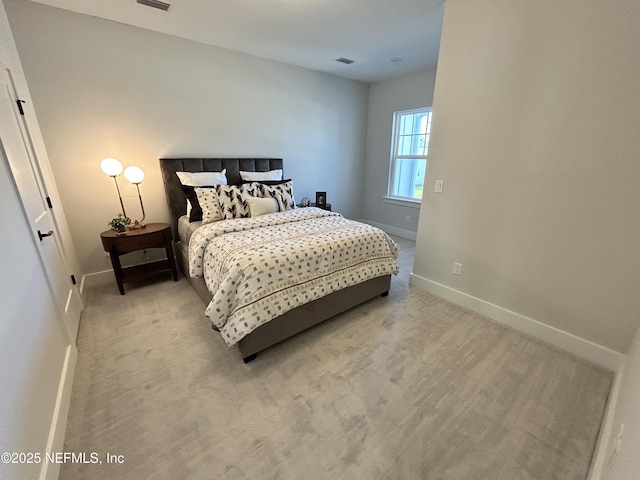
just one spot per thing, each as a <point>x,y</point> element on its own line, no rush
<point>408,234</point>
<point>102,277</point>
<point>58,429</point>
<point>96,278</point>
<point>580,347</point>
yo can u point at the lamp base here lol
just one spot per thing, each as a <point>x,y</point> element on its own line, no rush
<point>136,225</point>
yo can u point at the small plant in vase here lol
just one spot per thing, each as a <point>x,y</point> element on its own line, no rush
<point>119,224</point>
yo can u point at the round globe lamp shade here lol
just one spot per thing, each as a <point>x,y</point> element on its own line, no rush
<point>134,174</point>
<point>111,167</point>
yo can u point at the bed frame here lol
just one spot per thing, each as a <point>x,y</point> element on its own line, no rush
<point>290,323</point>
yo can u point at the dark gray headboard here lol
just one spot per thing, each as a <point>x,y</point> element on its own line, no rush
<point>173,189</point>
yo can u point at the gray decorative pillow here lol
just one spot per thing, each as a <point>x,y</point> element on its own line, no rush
<point>282,192</point>
<point>208,200</point>
<point>232,203</point>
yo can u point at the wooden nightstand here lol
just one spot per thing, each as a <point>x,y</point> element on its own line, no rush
<point>326,206</point>
<point>154,235</point>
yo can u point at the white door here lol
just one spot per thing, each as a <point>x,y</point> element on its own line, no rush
<point>34,347</point>
<point>19,152</point>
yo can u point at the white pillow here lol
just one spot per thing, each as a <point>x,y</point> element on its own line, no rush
<point>258,176</point>
<point>202,179</point>
<point>262,206</point>
<point>208,200</point>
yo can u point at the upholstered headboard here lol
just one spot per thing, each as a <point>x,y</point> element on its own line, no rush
<point>173,189</point>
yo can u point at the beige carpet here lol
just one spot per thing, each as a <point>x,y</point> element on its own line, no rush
<point>405,387</point>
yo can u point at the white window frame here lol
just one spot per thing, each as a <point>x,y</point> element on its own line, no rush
<point>391,196</point>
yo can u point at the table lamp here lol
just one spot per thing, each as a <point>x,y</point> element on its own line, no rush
<point>135,175</point>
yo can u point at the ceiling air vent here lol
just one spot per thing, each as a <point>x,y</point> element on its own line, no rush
<point>346,61</point>
<point>155,4</point>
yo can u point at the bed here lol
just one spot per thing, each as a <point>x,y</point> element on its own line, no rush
<point>228,236</point>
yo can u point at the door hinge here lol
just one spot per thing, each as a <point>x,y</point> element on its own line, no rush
<point>20,102</point>
<point>73,279</point>
<point>49,202</point>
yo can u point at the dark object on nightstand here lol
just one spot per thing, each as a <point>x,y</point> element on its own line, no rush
<point>326,206</point>
<point>154,235</point>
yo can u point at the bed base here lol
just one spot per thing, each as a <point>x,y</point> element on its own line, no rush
<point>298,319</point>
<point>310,314</point>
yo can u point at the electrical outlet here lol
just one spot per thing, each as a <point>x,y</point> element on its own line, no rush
<point>439,186</point>
<point>408,219</point>
<point>457,268</point>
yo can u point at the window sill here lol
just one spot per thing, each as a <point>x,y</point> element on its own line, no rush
<point>402,202</point>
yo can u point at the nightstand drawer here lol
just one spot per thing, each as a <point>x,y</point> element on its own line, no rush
<point>138,241</point>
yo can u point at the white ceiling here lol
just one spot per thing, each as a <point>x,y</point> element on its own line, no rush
<point>307,33</point>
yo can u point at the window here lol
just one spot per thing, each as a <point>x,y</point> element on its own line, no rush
<point>411,131</point>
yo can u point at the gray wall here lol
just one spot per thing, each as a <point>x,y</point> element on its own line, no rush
<point>410,91</point>
<point>537,141</point>
<point>105,89</point>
